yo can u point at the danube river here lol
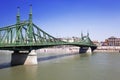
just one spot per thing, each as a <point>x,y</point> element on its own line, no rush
<point>97,66</point>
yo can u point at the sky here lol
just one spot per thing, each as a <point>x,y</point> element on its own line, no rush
<point>67,18</point>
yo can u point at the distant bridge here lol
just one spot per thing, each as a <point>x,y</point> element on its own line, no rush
<point>25,35</point>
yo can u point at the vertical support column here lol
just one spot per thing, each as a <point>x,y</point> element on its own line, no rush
<point>30,27</point>
<point>20,58</point>
<point>18,26</point>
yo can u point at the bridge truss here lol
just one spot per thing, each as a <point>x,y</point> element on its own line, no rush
<point>25,35</point>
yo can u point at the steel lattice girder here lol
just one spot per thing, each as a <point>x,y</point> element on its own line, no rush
<point>26,35</point>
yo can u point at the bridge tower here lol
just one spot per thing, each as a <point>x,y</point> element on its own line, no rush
<point>24,57</point>
<point>86,49</point>
<point>30,27</point>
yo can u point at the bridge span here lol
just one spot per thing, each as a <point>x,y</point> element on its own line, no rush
<point>26,36</point>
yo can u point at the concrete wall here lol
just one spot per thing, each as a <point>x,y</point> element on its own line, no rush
<point>108,49</point>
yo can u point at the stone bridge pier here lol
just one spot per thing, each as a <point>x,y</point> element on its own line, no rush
<point>86,49</point>
<point>24,58</point>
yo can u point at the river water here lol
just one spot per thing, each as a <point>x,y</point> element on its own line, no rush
<point>98,66</point>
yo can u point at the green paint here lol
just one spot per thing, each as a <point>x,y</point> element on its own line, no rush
<point>25,35</point>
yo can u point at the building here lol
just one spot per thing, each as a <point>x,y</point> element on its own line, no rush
<point>112,41</point>
<point>70,39</point>
<point>96,43</point>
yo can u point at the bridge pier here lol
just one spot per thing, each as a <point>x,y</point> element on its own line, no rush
<point>24,58</point>
<point>85,50</point>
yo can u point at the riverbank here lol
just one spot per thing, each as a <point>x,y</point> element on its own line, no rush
<point>76,49</point>
<point>108,49</point>
<point>58,50</point>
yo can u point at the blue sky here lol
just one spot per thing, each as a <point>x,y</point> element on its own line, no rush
<point>67,18</point>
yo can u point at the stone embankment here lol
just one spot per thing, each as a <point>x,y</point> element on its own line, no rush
<point>59,50</point>
<point>107,49</point>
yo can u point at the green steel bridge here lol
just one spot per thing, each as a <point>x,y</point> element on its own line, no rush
<point>25,35</point>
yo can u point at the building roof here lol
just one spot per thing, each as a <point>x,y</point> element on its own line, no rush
<point>112,37</point>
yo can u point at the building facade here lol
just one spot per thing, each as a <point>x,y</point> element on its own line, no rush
<point>112,41</point>
<point>70,39</point>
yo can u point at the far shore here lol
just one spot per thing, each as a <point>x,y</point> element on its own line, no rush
<point>108,49</point>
